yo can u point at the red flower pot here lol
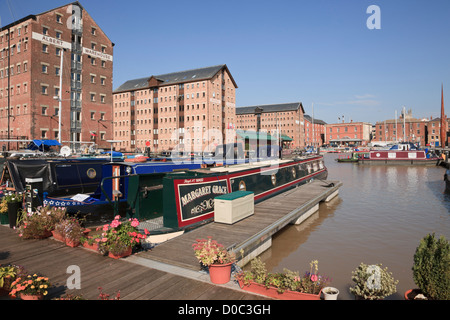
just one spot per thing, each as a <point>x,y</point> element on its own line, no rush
<point>72,243</point>
<point>273,292</point>
<point>122,255</point>
<point>93,246</point>
<point>220,273</point>
<point>31,296</point>
<point>58,236</point>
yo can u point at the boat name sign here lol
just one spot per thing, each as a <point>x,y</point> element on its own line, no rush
<point>198,199</point>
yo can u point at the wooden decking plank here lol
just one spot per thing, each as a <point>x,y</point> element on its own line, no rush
<point>266,213</point>
<point>147,290</point>
<point>51,258</point>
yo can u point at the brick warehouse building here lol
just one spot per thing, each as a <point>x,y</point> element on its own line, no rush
<point>314,131</point>
<point>30,66</point>
<point>287,118</point>
<point>188,110</point>
<point>348,133</point>
<point>406,128</point>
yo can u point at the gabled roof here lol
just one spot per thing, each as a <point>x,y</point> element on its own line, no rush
<point>316,121</point>
<point>282,107</point>
<point>175,77</point>
<point>34,17</point>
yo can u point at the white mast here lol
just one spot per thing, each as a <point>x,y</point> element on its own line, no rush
<point>313,140</point>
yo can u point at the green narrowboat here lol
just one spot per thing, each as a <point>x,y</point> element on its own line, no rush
<point>183,200</point>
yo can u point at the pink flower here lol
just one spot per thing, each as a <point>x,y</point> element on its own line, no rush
<point>117,217</point>
<point>314,278</point>
<point>115,223</point>
<point>134,223</point>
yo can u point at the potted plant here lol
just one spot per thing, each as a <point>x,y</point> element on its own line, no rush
<point>70,296</point>
<point>13,203</point>
<point>216,258</point>
<point>286,285</point>
<point>58,231</point>
<point>39,223</point>
<point>56,214</point>
<point>8,274</point>
<point>120,237</point>
<point>90,242</point>
<point>73,232</point>
<point>30,287</point>
<point>4,218</point>
<point>34,225</point>
<point>431,269</point>
<point>330,293</point>
<point>372,282</point>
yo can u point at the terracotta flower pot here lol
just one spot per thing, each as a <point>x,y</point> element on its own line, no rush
<point>31,296</point>
<point>273,292</point>
<point>220,273</point>
<point>93,246</point>
<point>122,255</point>
<point>72,243</point>
<point>58,236</point>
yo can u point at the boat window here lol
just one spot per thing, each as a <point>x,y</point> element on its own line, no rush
<point>315,166</point>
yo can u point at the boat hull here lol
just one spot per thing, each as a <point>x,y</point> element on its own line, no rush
<point>188,197</point>
<point>447,181</point>
<point>397,157</point>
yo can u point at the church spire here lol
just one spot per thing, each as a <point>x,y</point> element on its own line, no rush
<point>443,127</point>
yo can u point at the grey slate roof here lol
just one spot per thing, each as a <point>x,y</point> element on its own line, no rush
<point>282,107</point>
<point>316,121</point>
<point>174,77</point>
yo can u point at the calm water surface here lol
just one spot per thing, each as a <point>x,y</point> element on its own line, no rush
<point>380,216</point>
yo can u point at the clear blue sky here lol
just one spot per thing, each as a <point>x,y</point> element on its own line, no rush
<point>319,52</point>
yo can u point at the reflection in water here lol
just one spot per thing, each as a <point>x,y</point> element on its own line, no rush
<point>380,216</point>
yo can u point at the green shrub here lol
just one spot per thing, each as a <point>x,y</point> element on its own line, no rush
<point>431,269</point>
<point>372,282</point>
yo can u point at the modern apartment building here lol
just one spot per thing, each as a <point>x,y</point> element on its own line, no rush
<point>286,119</point>
<point>56,78</point>
<point>190,110</point>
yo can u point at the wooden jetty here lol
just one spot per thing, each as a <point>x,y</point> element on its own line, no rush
<point>52,258</point>
<point>169,271</point>
<point>252,235</point>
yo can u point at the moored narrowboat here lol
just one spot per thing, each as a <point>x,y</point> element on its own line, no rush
<point>401,154</point>
<point>180,201</point>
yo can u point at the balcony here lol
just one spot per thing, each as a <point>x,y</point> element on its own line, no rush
<point>76,65</point>
<point>75,85</point>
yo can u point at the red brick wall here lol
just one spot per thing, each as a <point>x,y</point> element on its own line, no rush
<point>27,107</point>
<point>206,104</point>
